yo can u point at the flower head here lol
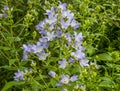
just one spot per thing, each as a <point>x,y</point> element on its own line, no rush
<point>58,33</point>
<point>63,63</point>
<point>78,55</point>
<point>62,6</point>
<point>27,49</point>
<point>6,7</point>
<point>64,80</point>
<point>19,75</point>
<point>84,62</point>
<point>50,36</point>
<point>42,55</point>
<point>71,60</point>
<point>74,78</point>
<point>51,12</point>
<point>74,24</point>
<point>78,37</point>
<point>52,74</point>
<point>41,25</point>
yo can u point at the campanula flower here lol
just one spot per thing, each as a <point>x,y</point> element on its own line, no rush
<point>6,7</point>
<point>42,55</point>
<point>19,75</point>
<point>58,33</point>
<point>67,14</point>
<point>74,24</point>
<point>84,62</point>
<point>64,80</point>
<point>63,64</point>
<point>25,55</point>
<point>78,55</point>
<point>71,60</point>
<point>68,37</point>
<point>42,43</point>
<point>37,49</point>
<point>62,6</point>
<point>78,37</point>
<point>27,49</point>
<point>74,78</point>
<point>41,25</point>
<point>52,19</point>
<point>50,36</point>
<point>51,12</point>
<point>65,24</point>
<point>52,74</point>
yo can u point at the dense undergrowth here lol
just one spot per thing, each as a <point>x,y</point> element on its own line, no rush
<point>99,24</point>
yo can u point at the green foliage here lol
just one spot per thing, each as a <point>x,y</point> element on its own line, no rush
<point>100,24</point>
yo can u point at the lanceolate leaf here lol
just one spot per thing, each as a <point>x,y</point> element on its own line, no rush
<point>10,84</point>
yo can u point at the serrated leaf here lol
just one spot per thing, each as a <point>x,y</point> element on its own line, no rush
<point>107,84</point>
<point>104,57</point>
<point>111,65</point>
<point>106,79</point>
<point>11,61</point>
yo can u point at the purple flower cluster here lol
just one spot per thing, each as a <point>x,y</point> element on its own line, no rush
<point>37,49</point>
<point>62,19</point>
<point>57,22</point>
<point>5,11</point>
<point>51,28</point>
<point>79,53</point>
<point>55,26</point>
<point>75,41</point>
<point>20,75</point>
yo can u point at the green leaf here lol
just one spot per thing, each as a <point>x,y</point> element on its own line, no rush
<point>53,82</point>
<point>8,67</point>
<point>76,69</point>
<point>90,49</point>
<point>5,48</point>
<point>35,88</point>
<point>104,57</point>
<point>14,39</point>
<point>10,84</point>
<point>11,61</point>
<point>107,82</point>
<point>35,82</point>
<point>111,65</point>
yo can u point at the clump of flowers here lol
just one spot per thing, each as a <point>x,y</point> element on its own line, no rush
<point>22,75</point>
<point>60,40</point>
<point>5,11</point>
